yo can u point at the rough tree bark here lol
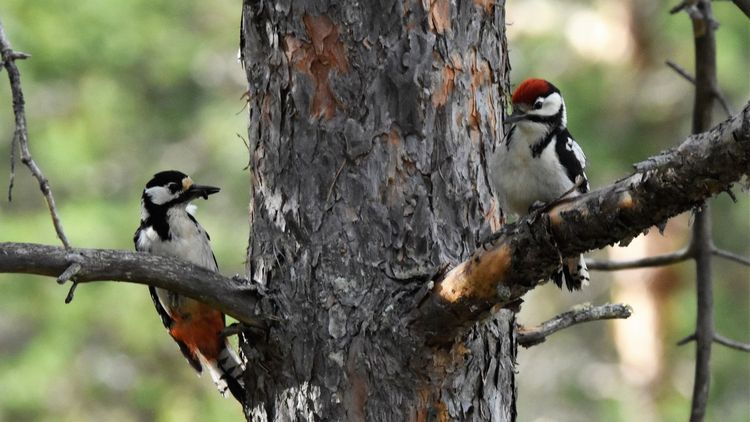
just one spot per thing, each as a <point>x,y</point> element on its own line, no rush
<point>369,124</point>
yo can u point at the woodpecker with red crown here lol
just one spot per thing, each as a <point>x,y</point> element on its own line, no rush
<point>539,161</point>
<point>168,228</point>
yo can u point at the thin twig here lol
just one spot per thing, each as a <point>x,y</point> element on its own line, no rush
<point>686,340</point>
<point>731,256</point>
<point>649,261</point>
<point>21,135</point>
<point>718,338</point>
<point>71,292</point>
<point>12,178</point>
<point>732,344</point>
<point>69,272</point>
<point>528,337</point>
<point>678,8</point>
<point>717,94</point>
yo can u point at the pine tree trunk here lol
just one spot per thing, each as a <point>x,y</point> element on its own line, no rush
<point>369,127</point>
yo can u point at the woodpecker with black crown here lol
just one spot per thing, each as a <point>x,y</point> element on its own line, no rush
<point>169,229</point>
<point>539,161</point>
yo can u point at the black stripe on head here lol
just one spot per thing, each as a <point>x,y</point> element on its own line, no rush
<point>554,120</point>
<point>163,178</point>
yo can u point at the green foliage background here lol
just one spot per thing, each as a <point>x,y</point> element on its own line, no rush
<point>117,91</point>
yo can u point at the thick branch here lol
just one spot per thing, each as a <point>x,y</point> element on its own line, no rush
<point>528,337</point>
<point>228,295</point>
<point>528,251</point>
<point>21,135</point>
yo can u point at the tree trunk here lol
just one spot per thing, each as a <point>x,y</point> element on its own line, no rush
<point>369,125</point>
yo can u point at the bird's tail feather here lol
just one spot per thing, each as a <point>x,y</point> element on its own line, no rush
<point>573,273</point>
<point>226,372</point>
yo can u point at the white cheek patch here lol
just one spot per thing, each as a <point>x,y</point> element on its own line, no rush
<point>191,209</point>
<point>159,195</point>
<point>551,105</point>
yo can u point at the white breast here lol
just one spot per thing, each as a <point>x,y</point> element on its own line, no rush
<point>519,179</point>
<point>188,240</point>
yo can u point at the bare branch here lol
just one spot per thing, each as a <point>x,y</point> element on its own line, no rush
<point>21,135</point>
<point>226,294</point>
<point>717,93</point>
<point>528,337</point>
<point>528,251</point>
<point>649,261</point>
<point>686,340</point>
<point>680,71</point>
<point>718,338</point>
<point>732,344</point>
<point>731,256</point>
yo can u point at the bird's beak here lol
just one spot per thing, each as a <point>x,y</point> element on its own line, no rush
<point>516,116</point>
<point>197,191</point>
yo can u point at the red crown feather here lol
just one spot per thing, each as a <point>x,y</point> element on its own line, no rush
<point>530,90</point>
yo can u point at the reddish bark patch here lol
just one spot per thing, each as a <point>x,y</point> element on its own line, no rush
<point>480,75</point>
<point>324,52</point>
<point>487,5</point>
<point>440,96</point>
<point>440,16</point>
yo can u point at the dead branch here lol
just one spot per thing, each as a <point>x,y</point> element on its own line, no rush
<point>226,294</point>
<point>528,337</point>
<point>649,261</point>
<point>21,135</point>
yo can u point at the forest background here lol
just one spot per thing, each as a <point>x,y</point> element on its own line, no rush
<point>117,91</point>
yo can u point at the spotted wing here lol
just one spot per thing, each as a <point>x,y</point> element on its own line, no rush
<point>572,158</point>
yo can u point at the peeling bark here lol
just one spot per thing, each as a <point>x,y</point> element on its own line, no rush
<point>369,123</point>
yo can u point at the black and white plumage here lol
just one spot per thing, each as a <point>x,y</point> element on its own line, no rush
<point>538,161</point>
<point>169,229</point>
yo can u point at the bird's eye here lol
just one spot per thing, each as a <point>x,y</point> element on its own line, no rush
<point>538,104</point>
<point>173,187</point>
